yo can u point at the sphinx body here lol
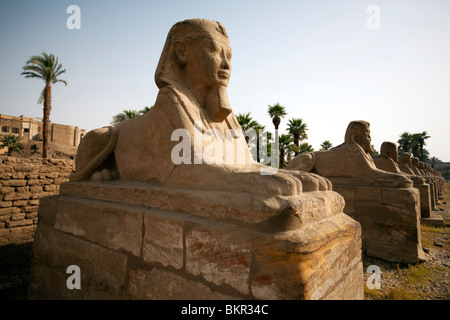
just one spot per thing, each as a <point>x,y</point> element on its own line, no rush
<point>192,76</point>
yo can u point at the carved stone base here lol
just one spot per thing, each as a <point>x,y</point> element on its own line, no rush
<point>425,200</point>
<point>389,217</point>
<point>138,241</point>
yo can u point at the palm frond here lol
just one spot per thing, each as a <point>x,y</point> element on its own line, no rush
<point>42,96</point>
<point>30,74</point>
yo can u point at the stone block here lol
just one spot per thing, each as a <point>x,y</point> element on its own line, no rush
<point>9,211</point>
<point>33,202</point>
<point>17,196</point>
<point>23,234</point>
<point>132,251</point>
<point>163,285</point>
<point>369,194</point>
<point>18,175</point>
<point>51,175</point>
<point>30,209</point>
<point>5,204</point>
<point>39,182</point>
<point>425,200</point>
<point>18,216</point>
<point>163,239</point>
<point>18,223</point>
<point>6,190</point>
<point>20,203</point>
<point>41,195</point>
<point>22,189</point>
<point>58,181</point>
<point>14,183</point>
<point>220,253</point>
<point>61,250</point>
<point>47,209</point>
<point>31,215</point>
<point>302,264</point>
<point>401,197</point>
<point>36,189</point>
<point>47,282</point>
<point>50,187</point>
<point>109,273</point>
<point>85,218</point>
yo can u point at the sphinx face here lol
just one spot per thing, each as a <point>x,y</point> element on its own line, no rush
<point>404,158</point>
<point>209,61</point>
<point>362,137</point>
<point>393,154</point>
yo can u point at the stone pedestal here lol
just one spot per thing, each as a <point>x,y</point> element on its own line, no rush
<point>425,199</point>
<point>389,217</point>
<point>142,241</point>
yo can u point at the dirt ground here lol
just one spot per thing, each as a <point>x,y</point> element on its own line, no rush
<point>33,149</point>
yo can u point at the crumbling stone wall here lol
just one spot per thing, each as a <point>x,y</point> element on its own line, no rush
<point>23,182</point>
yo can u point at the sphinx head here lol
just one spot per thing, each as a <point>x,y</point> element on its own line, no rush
<point>389,149</point>
<point>415,162</point>
<point>197,56</point>
<point>359,132</point>
<point>405,157</point>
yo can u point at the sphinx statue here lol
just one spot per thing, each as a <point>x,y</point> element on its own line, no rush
<point>192,77</point>
<point>384,202</point>
<point>388,160</point>
<point>405,164</point>
<point>171,204</point>
<point>352,159</point>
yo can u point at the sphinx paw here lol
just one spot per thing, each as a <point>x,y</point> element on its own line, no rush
<point>105,175</point>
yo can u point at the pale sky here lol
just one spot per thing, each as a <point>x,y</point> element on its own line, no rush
<point>317,58</point>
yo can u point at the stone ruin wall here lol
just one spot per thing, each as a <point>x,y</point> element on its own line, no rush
<point>23,182</point>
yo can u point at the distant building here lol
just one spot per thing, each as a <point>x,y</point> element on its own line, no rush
<point>29,129</point>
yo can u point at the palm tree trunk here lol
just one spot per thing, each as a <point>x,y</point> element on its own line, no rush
<point>297,143</point>
<point>282,158</point>
<point>421,151</point>
<point>257,147</point>
<point>276,122</point>
<point>47,103</point>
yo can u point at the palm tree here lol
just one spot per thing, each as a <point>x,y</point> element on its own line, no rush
<point>420,138</point>
<point>374,153</point>
<point>305,147</point>
<point>326,145</point>
<point>285,146</point>
<point>247,123</point>
<point>12,143</point>
<point>124,115</point>
<point>434,161</point>
<point>145,110</point>
<point>276,112</point>
<point>404,143</point>
<point>47,68</point>
<point>297,128</point>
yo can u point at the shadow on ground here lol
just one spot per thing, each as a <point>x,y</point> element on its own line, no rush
<point>15,263</point>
